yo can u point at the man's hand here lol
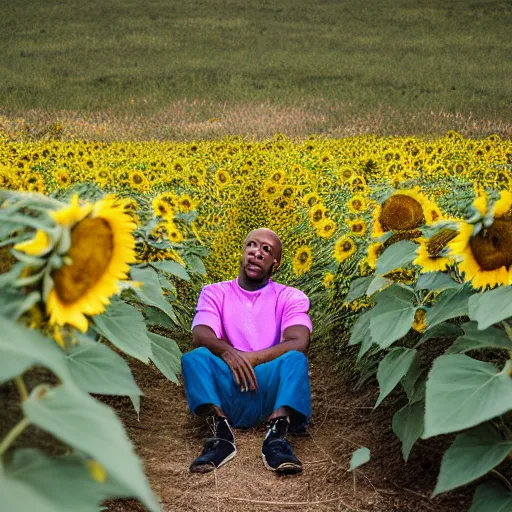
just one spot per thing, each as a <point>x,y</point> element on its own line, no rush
<point>242,368</point>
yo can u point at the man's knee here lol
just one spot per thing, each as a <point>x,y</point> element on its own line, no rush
<point>295,357</point>
<point>199,354</point>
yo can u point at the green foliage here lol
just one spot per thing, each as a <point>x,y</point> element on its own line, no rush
<point>359,457</point>
<point>448,392</point>
<point>101,463</point>
<point>463,392</point>
<point>472,455</point>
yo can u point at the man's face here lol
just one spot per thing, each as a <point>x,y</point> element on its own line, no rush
<point>261,253</point>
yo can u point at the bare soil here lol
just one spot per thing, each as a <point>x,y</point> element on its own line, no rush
<point>168,437</point>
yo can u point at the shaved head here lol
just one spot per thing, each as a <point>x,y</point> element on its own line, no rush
<point>276,241</point>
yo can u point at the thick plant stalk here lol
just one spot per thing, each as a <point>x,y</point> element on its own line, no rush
<point>22,389</point>
<point>16,431</point>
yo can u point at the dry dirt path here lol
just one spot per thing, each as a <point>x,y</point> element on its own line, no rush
<point>168,438</point>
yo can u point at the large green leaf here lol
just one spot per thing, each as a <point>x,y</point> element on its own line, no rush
<point>438,281</point>
<point>492,497</point>
<point>151,291</point>
<point>19,497</point>
<point>124,327</point>
<point>170,267</point>
<point>358,288</point>
<point>359,457</point>
<point>408,425</point>
<point>491,307</point>
<point>449,304</point>
<point>62,482</point>
<point>156,317</point>
<point>195,264</point>
<point>378,284</point>
<point>476,339</point>
<point>393,315</point>
<point>13,302</point>
<point>396,256</point>
<point>360,334</point>
<point>166,356</point>
<point>472,455</point>
<point>463,392</point>
<point>392,368</point>
<point>21,348</point>
<point>413,382</point>
<point>97,369</point>
<point>84,423</point>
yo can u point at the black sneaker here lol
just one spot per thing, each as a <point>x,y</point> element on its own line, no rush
<point>217,450</point>
<point>277,453</point>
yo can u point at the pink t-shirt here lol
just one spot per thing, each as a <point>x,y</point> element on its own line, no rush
<point>251,320</point>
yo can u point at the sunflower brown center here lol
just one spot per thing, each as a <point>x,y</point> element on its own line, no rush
<point>492,248</point>
<point>347,246</point>
<point>303,257</point>
<point>137,179</point>
<point>401,212</point>
<point>91,251</point>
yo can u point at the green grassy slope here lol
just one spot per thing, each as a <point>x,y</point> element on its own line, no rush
<point>93,54</point>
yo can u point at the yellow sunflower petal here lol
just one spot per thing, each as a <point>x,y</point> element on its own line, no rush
<point>37,246</point>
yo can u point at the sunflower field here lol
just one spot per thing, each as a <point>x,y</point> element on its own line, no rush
<point>404,246</point>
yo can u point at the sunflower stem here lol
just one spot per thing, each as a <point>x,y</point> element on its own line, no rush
<point>22,389</point>
<point>502,478</point>
<point>13,434</point>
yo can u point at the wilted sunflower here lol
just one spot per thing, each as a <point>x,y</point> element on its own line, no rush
<point>431,257</point>
<point>101,247</point>
<point>344,248</point>
<point>326,228</point>
<point>420,323</point>
<point>486,258</point>
<point>302,260</point>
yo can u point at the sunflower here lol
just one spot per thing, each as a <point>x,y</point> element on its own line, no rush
<point>420,323</point>
<point>271,190</point>
<point>302,260</point>
<point>485,259</point>
<point>374,252</point>
<point>165,204</point>
<point>138,181</point>
<point>404,210</point>
<point>344,248</point>
<point>326,228</point>
<point>222,178</point>
<point>357,203</point>
<point>357,226</point>
<point>311,199</point>
<point>185,203</point>
<point>62,178</point>
<point>430,252</point>
<point>328,279</point>
<point>174,233</point>
<point>317,214</point>
<point>102,246</point>
<point>277,177</point>
<point>346,174</point>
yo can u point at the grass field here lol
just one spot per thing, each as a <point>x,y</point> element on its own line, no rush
<point>334,61</point>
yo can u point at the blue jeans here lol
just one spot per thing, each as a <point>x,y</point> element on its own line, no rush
<point>281,382</point>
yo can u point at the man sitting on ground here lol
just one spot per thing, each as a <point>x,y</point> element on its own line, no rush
<point>252,334</point>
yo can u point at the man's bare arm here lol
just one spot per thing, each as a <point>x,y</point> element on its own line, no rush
<point>241,367</point>
<point>295,337</point>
